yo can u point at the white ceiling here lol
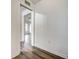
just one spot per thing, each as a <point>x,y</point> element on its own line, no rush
<point>35,1</point>
<point>49,6</point>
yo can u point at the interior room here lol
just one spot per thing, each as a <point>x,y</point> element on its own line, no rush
<point>39,29</point>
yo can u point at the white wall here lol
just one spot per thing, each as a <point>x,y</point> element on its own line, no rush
<point>51,32</point>
<point>16,23</point>
<point>22,26</point>
<point>15,28</point>
<point>40,29</point>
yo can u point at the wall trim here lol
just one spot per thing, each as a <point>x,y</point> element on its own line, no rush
<point>25,7</point>
<point>51,54</point>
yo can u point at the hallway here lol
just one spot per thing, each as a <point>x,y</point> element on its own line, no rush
<point>39,23</point>
<point>37,53</point>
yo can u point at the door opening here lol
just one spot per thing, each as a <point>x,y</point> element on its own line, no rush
<point>26,29</point>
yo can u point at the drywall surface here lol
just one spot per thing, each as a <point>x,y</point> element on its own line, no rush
<point>51,30</point>
<point>40,29</point>
<point>15,28</point>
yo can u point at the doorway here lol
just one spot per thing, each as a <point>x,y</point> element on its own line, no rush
<point>26,29</point>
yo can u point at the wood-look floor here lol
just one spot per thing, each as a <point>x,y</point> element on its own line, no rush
<point>35,54</point>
